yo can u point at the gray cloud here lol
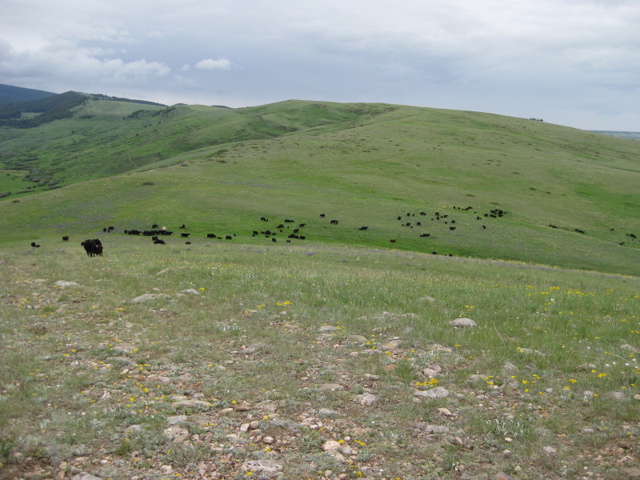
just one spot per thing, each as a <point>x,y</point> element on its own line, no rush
<point>573,62</point>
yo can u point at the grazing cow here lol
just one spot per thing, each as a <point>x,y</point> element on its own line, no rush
<point>157,241</point>
<point>579,231</point>
<point>425,235</point>
<point>274,240</point>
<point>183,226</point>
<point>211,235</point>
<point>187,243</point>
<point>155,225</point>
<point>363,228</point>
<point>452,228</point>
<point>286,220</point>
<point>264,219</point>
<point>93,247</point>
<point>392,240</point>
<point>322,215</point>
<point>229,237</point>
<point>334,222</point>
<point>35,245</point>
<point>185,235</point>
<point>65,238</point>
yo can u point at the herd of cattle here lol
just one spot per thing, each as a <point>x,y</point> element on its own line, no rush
<point>293,230</point>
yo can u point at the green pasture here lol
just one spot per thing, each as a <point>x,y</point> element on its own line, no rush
<point>220,170</point>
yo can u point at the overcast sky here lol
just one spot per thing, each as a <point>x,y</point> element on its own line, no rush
<point>570,62</point>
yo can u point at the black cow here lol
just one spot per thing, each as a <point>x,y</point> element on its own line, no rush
<point>184,235</point>
<point>35,245</point>
<point>65,238</point>
<point>93,247</point>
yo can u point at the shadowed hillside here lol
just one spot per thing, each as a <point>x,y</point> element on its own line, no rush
<point>10,94</point>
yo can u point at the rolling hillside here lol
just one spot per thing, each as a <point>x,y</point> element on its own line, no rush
<point>435,181</point>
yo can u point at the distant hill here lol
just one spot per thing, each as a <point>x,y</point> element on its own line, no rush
<point>385,176</point>
<point>28,114</point>
<point>10,94</point>
<point>629,135</point>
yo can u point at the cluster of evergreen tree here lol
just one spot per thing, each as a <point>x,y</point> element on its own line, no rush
<point>47,110</point>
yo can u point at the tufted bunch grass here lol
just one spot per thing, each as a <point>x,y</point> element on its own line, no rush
<point>547,340</point>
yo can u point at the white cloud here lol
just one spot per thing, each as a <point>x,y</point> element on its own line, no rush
<point>211,64</point>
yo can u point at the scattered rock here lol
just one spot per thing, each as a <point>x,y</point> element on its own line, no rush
<point>149,296</point>
<point>331,387</point>
<point>85,476</point>
<point>64,283</point>
<point>628,347</point>
<point>264,466</point>
<point>176,419</point>
<point>509,367</point>
<point>191,291</point>
<point>529,351</point>
<point>462,323</point>
<point>191,403</point>
<point>253,348</point>
<point>437,392</point>
<point>367,399</point>
<point>176,434</point>
<point>446,412</point>
<point>134,428</point>
<point>327,412</point>
<point>431,429</point>
<point>328,328</point>
<point>430,372</point>
<point>549,450</point>
<point>330,445</point>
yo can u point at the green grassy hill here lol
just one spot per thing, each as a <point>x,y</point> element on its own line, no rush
<point>384,167</point>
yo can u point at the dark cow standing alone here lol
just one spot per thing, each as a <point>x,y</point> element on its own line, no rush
<point>93,247</point>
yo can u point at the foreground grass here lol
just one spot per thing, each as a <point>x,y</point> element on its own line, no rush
<point>312,344</point>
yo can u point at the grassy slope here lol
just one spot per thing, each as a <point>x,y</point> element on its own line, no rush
<point>551,364</point>
<point>107,137</point>
<point>364,165</point>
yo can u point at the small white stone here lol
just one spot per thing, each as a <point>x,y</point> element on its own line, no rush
<point>330,445</point>
<point>438,392</point>
<point>462,323</point>
<point>64,283</point>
